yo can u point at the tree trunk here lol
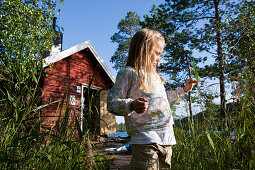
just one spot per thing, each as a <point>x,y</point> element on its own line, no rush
<point>221,64</point>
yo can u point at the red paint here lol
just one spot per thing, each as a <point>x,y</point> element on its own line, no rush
<point>64,78</point>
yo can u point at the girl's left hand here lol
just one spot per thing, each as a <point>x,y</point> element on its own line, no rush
<point>189,84</point>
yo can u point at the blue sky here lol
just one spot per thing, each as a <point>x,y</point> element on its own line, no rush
<point>97,20</point>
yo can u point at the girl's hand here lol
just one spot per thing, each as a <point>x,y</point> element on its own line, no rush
<point>189,84</point>
<point>139,105</point>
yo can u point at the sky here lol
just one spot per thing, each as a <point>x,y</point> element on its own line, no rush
<point>97,21</point>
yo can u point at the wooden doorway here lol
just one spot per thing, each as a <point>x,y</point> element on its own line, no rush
<point>90,109</point>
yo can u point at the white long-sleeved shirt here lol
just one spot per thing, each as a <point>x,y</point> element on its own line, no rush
<point>156,124</point>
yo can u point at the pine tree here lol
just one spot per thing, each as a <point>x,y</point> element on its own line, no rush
<point>127,28</point>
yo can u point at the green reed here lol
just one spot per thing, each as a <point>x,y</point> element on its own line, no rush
<point>208,145</point>
<point>23,143</point>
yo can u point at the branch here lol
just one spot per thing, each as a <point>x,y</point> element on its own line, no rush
<point>187,20</point>
<point>211,52</point>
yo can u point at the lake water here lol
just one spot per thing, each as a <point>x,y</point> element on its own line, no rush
<point>118,134</point>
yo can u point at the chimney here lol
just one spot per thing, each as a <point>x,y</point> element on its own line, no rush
<point>57,43</point>
<point>54,23</point>
<point>57,47</point>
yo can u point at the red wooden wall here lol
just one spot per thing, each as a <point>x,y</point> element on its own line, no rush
<point>63,78</point>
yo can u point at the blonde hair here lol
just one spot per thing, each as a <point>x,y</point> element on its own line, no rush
<point>139,55</point>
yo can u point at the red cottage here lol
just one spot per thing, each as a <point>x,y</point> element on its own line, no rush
<point>68,75</point>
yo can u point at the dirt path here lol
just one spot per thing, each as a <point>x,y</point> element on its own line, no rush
<point>123,158</point>
<point>122,162</point>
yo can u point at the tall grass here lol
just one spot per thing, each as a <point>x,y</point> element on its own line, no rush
<point>23,144</point>
<point>208,145</point>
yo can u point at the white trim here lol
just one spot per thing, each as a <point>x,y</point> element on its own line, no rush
<point>66,53</point>
<point>83,85</point>
<point>82,107</point>
<point>91,86</point>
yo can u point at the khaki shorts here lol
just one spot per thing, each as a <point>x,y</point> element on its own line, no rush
<point>151,157</point>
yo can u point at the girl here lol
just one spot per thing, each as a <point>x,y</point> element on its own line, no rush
<point>139,95</point>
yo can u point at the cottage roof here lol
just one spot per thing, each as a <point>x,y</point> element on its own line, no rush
<point>66,53</point>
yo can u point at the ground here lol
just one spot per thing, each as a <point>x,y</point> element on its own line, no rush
<point>122,158</point>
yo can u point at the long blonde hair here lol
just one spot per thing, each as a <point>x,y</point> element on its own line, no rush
<point>139,55</point>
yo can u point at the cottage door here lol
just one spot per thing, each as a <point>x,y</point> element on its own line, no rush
<point>90,115</point>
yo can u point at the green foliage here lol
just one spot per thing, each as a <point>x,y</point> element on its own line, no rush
<point>26,29</point>
<point>193,26</point>
<point>57,148</point>
<point>195,71</point>
<point>26,34</point>
<point>207,144</point>
<point>121,127</point>
<point>127,28</point>
<point>240,39</point>
<point>222,30</point>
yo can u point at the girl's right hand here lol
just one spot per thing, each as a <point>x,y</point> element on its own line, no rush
<point>139,105</point>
